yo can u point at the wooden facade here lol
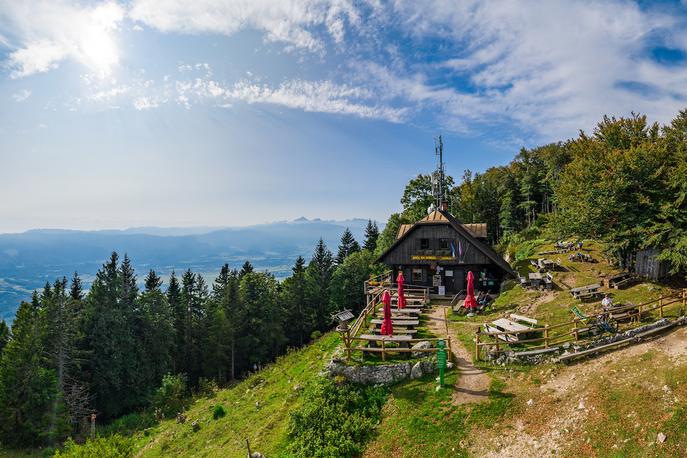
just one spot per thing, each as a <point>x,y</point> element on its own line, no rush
<point>438,251</point>
<point>649,266</point>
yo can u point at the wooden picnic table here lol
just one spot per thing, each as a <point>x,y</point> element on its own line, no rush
<point>584,290</point>
<point>399,322</point>
<point>505,325</point>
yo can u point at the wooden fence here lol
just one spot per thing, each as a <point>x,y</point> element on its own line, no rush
<point>570,330</point>
<point>374,288</point>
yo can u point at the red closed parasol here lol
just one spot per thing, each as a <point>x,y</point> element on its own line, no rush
<point>387,326</point>
<point>470,301</point>
<point>401,295</point>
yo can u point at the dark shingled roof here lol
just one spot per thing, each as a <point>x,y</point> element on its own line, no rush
<point>442,217</point>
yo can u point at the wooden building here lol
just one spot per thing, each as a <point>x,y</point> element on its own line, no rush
<point>438,251</point>
<point>649,266</point>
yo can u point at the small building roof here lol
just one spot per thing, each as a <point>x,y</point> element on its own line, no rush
<point>478,230</point>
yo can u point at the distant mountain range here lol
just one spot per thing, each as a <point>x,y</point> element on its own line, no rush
<point>29,259</point>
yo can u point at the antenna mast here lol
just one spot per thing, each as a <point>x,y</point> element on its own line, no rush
<point>439,177</point>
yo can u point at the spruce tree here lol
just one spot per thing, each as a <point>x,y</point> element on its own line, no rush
<point>318,278</point>
<point>111,345</point>
<point>156,333</point>
<point>245,269</point>
<point>371,236</point>
<point>4,336</point>
<point>299,319</point>
<point>76,289</point>
<point>27,387</point>
<point>347,246</point>
<point>179,319</point>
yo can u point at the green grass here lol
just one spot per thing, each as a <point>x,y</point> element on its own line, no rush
<point>257,409</point>
<point>420,421</point>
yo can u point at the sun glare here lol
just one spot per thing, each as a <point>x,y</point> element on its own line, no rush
<point>97,43</point>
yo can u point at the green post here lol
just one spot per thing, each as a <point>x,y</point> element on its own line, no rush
<point>441,360</point>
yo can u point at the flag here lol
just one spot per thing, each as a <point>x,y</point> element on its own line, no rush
<point>453,249</point>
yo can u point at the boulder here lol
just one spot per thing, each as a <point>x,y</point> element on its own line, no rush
<point>416,371</point>
<point>425,344</point>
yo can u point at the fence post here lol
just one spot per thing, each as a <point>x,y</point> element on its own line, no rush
<point>660,306</point>
<point>546,336</point>
<point>450,352</point>
<point>575,332</point>
<point>383,349</point>
<point>477,333</point>
<point>348,345</point>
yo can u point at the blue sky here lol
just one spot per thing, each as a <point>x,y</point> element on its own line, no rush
<point>217,112</point>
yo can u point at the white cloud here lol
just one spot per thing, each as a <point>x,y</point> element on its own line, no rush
<point>293,22</point>
<point>145,103</point>
<point>553,67</point>
<point>21,95</point>
<point>44,33</point>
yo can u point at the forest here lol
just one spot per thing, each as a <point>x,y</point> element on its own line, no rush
<point>108,350</point>
<point>71,353</point>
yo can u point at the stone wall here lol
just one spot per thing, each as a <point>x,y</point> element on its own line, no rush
<point>386,374</point>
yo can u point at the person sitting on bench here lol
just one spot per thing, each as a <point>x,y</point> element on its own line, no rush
<point>606,303</point>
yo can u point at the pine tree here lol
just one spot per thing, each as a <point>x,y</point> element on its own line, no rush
<point>371,236</point>
<point>264,336</point>
<point>347,246</point>
<point>111,346</point>
<point>76,289</point>
<point>299,319</point>
<point>27,387</point>
<point>156,333</point>
<point>318,278</point>
<point>179,320</point>
<point>59,323</point>
<point>4,336</point>
<point>245,269</point>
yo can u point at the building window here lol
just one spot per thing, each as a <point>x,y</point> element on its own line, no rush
<point>424,244</point>
<point>444,244</point>
<point>417,276</point>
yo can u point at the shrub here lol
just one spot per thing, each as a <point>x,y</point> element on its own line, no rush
<point>114,446</point>
<point>335,420</point>
<point>218,412</point>
<point>315,335</point>
<point>170,398</point>
<point>207,387</point>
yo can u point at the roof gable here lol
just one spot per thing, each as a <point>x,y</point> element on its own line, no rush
<point>441,217</point>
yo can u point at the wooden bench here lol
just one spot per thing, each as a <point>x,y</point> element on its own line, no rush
<point>527,321</point>
<point>398,322</point>
<point>397,331</point>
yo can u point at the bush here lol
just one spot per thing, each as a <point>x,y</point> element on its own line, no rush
<point>170,398</point>
<point>114,446</point>
<point>335,421</point>
<point>218,412</point>
<point>207,387</point>
<point>315,335</point>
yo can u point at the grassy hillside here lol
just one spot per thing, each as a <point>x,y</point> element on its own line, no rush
<point>614,405</point>
<point>256,409</point>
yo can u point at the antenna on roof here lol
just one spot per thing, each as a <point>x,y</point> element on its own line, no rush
<point>439,191</point>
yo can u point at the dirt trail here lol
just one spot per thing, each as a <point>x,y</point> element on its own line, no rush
<point>473,383</point>
<point>557,409</point>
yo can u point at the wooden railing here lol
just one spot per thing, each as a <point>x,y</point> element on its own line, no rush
<point>384,349</point>
<point>570,330</point>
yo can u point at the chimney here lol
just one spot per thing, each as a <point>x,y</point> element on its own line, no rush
<point>443,206</point>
